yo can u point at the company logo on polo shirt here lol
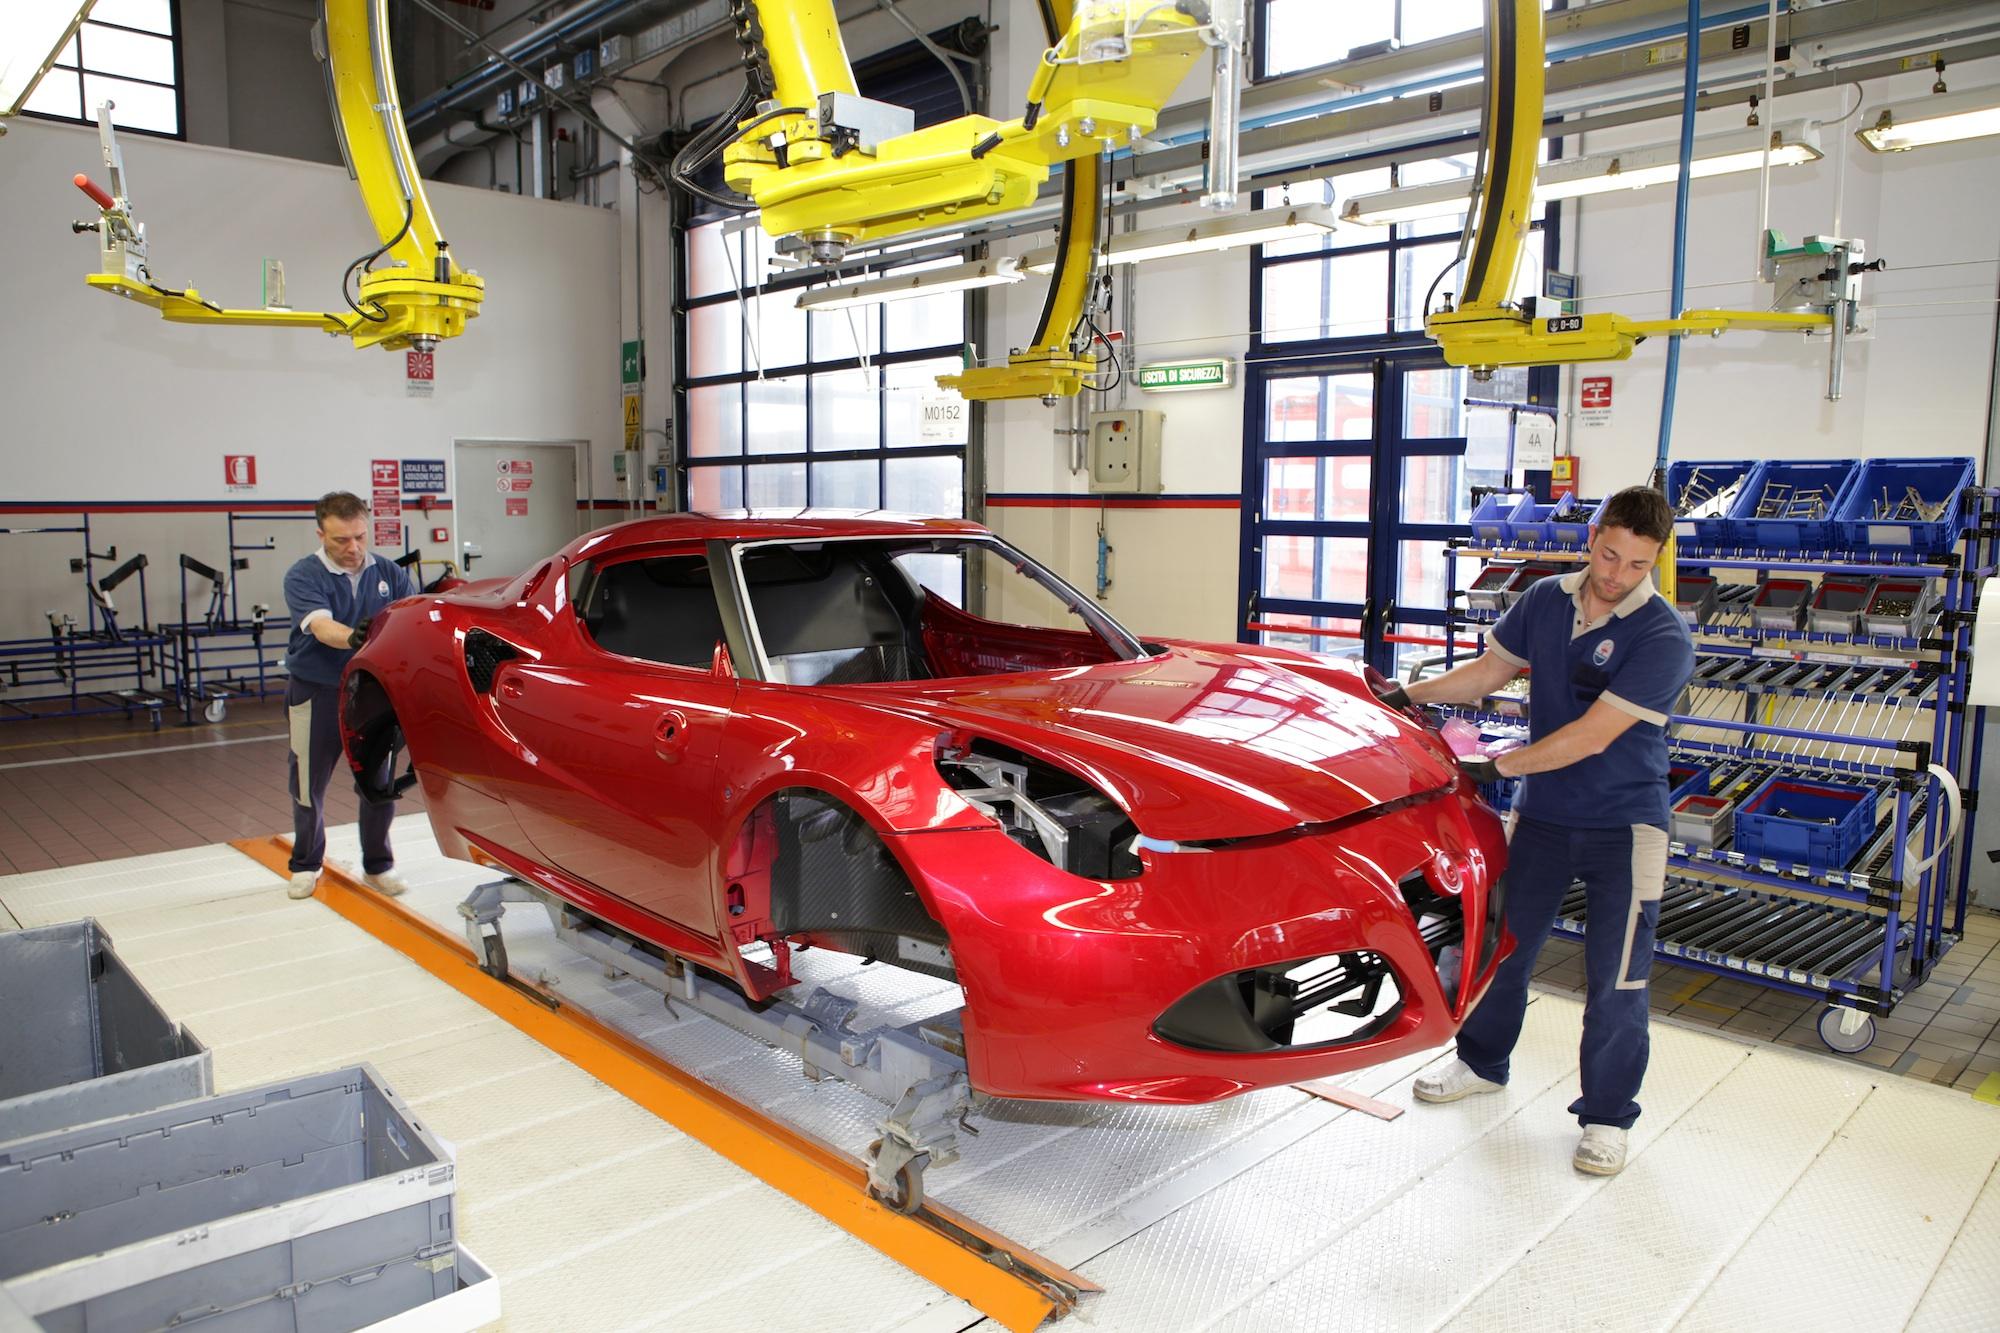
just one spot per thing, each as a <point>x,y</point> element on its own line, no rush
<point>1602,653</point>
<point>382,590</point>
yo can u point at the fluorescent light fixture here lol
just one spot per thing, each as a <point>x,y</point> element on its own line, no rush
<point>906,286</point>
<point>1262,227</point>
<point>1600,173</point>
<point>1939,118</point>
<point>32,33</point>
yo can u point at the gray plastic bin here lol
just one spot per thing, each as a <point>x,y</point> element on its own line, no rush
<point>316,1204</point>
<point>80,1039</point>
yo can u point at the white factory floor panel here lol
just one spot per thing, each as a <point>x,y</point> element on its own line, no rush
<point>1765,1184</point>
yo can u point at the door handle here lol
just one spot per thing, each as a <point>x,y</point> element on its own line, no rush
<point>510,688</point>
<point>670,735</point>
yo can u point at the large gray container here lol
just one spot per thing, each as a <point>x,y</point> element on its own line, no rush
<point>80,1039</point>
<point>315,1204</point>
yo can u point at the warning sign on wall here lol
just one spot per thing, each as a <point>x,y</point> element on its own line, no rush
<point>239,471</point>
<point>517,506</point>
<point>1594,400</point>
<point>419,373</point>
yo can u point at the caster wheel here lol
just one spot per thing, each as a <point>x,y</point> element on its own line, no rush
<point>1848,1031</point>
<point>217,710</point>
<point>908,1195</point>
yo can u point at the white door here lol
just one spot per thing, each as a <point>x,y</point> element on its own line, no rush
<point>516,502</point>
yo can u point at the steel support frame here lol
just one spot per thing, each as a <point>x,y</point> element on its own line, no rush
<point>909,1068</point>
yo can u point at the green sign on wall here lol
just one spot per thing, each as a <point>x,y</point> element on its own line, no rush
<point>1169,376</point>
<point>631,360</point>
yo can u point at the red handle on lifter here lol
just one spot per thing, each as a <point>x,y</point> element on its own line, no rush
<point>102,199</point>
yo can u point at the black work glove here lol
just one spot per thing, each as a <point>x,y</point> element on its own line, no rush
<point>1479,768</point>
<point>359,634</point>
<point>1395,696</point>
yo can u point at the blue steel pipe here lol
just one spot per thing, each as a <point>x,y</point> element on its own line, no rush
<point>1688,88</point>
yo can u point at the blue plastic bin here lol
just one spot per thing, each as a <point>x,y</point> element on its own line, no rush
<point>1797,836</point>
<point>1787,531</point>
<point>1686,780</point>
<point>1571,527</point>
<point>1534,523</point>
<point>1493,520</point>
<point>1935,479</point>
<point>1715,477</point>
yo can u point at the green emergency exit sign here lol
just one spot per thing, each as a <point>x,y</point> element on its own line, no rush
<point>631,362</point>
<point>1169,376</point>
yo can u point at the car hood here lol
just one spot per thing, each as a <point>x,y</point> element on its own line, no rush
<point>1200,744</point>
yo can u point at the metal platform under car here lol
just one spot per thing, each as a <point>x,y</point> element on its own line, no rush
<point>917,1068</point>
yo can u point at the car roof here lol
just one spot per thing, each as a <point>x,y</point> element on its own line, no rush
<point>767,525</point>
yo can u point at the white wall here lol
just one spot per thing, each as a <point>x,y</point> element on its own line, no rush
<point>1916,385</point>
<point>104,401</point>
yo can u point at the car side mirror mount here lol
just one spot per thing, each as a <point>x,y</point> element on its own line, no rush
<point>719,664</point>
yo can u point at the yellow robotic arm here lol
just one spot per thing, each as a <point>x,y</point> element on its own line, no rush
<point>837,169</point>
<point>1487,330</point>
<point>419,297</point>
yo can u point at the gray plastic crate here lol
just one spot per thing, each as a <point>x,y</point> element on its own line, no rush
<point>97,1045</point>
<point>318,1203</point>
<point>1702,821</point>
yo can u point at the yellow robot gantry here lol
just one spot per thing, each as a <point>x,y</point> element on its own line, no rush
<point>417,298</point>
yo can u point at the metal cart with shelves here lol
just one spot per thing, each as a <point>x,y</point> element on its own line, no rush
<point>96,666</point>
<point>1878,711</point>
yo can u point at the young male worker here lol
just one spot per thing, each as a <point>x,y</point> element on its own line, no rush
<point>1607,657</point>
<point>331,594</point>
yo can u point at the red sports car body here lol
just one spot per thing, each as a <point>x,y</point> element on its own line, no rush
<point>1165,872</point>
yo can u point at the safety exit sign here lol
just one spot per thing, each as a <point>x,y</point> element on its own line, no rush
<point>1174,376</point>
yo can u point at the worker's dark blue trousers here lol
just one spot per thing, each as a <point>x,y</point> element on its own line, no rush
<point>1623,871</point>
<point>313,714</point>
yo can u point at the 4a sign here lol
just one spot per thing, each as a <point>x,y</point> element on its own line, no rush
<point>1179,376</point>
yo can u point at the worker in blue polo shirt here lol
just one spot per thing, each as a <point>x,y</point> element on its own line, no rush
<point>331,594</point>
<point>1607,657</point>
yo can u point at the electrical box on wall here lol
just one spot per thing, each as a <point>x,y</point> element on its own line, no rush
<point>1125,451</point>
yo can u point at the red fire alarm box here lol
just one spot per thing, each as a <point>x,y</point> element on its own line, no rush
<point>440,534</point>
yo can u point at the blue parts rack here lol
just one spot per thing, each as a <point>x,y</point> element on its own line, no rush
<point>1836,715</point>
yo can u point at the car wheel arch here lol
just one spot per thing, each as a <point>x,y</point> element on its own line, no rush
<point>810,859</point>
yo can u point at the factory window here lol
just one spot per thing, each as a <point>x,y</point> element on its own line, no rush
<point>788,408</point>
<point>128,53</point>
<point>1302,34</point>
<point>1365,454</point>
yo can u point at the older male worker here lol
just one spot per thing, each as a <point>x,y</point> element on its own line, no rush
<point>331,594</point>
<point>1607,657</point>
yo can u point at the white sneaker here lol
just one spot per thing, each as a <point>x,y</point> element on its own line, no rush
<point>1602,1152</point>
<point>1454,1081</point>
<point>303,883</point>
<point>389,884</point>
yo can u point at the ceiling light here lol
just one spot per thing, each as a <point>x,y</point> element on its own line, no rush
<point>31,35</point>
<point>1939,118</point>
<point>1600,173</point>
<point>1263,227</point>
<point>905,286</point>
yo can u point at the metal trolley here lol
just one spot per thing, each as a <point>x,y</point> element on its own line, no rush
<point>82,669</point>
<point>1864,710</point>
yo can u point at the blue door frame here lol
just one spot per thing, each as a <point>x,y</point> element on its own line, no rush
<point>1384,529</point>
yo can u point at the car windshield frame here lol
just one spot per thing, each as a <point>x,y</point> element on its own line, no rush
<point>1124,645</point>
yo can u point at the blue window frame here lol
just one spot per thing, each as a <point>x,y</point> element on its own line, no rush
<point>1355,468</point>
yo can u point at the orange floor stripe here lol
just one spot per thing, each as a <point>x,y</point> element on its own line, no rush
<point>1011,1285</point>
